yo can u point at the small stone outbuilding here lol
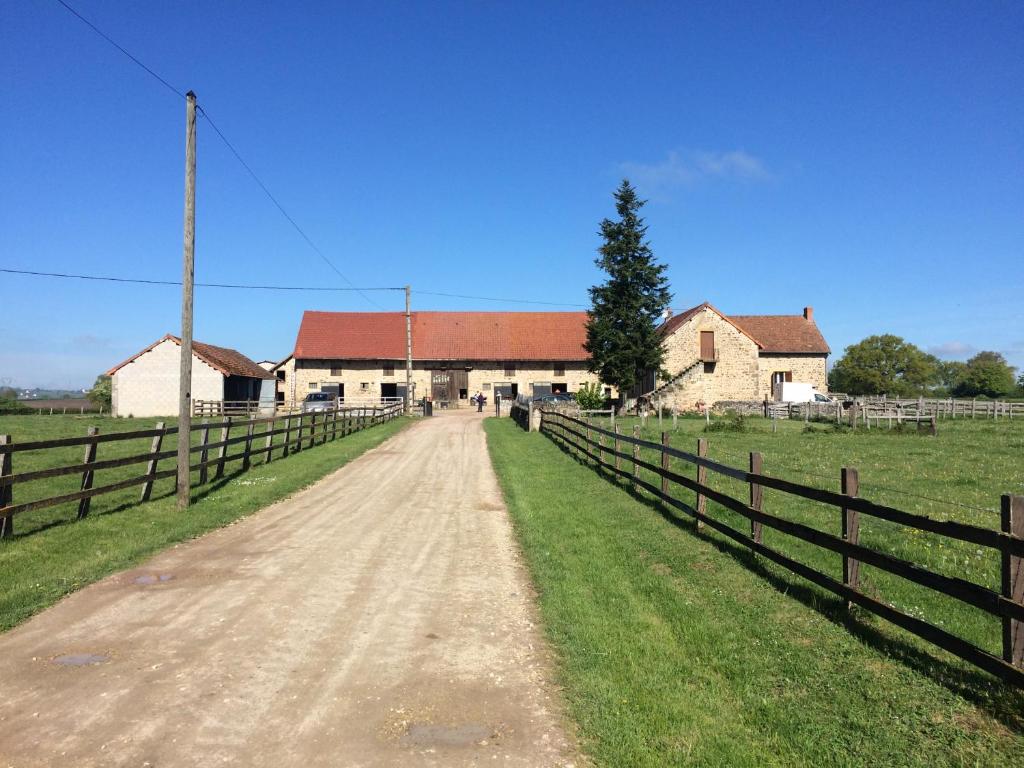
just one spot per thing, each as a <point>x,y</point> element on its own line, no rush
<point>146,384</point>
<point>711,357</point>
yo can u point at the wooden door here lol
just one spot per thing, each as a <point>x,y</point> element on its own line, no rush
<point>707,345</point>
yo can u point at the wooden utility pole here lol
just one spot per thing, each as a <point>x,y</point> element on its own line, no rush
<point>408,354</point>
<point>185,380</point>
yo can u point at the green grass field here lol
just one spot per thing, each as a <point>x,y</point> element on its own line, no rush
<point>958,475</point>
<point>53,554</point>
<point>680,648</point>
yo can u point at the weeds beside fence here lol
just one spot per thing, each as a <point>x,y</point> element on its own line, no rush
<point>604,448</point>
<point>299,431</point>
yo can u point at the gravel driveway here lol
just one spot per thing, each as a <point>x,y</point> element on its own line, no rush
<point>379,618</point>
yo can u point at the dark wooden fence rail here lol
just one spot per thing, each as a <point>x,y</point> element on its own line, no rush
<point>1007,604</point>
<point>301,431</point>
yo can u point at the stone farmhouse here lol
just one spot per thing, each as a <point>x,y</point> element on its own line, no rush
<point>362,355</point>
<point>710,357</point>
<point>146,384</point>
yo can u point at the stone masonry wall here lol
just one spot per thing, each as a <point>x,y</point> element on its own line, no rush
<point>733,377</point>
<point>310,375</point>
<point>805,368</point>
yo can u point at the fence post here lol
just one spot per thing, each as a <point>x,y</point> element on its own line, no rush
<point>588,437</point>
<point>600,451</point>
<point>225,432</point>
<point>636,453</point>
<point>618,461</point>
<point>334,425</point>
<point>1012,514</point>
<point>147,487</point>
<point>312,429</point>
<point>6,491</point>
<point>268,446</point>
<point>665,458</point>
<point>298,436</point>
<point>849,485</point>
<point>87,475</point>
<point>756,496</point>
<point>702,479</point>
<point>287,436</point>
<point>204,453</point>
<point>247,452</point>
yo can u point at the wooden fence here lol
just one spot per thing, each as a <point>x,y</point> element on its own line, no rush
<point>1007,605</point>
<point>299,431</point>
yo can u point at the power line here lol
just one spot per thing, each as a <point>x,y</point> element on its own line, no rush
<point>142,281</point>
<point>281,207</point>
<point>493,298</point>
<point>239,286</point>
<point>100,32</point>
<point>228,144</point>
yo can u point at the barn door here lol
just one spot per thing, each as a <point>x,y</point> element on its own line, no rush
<point>707,345</point>
<point>439,385</point>
<point>459,387</point>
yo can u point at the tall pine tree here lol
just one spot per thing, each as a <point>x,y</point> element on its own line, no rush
<point>622,336</point>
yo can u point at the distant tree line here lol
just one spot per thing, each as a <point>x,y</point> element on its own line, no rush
<point>889,365</point>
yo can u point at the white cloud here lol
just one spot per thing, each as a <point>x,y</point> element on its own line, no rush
<point>953,350</point>
<point>685,168</point>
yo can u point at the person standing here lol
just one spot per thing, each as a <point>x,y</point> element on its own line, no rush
<point>479,402</point>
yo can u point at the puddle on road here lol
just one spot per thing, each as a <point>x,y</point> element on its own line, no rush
<point>80,659</point>
<point>151,578</point>
<point>429,735</point>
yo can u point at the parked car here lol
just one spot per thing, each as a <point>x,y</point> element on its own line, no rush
<point>318,401</point>
<point>558,397</point>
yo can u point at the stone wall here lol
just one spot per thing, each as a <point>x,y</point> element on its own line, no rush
<point>363,378</point>
<point>148,385</point>
<point>809,369</point>
<point>734,376</point>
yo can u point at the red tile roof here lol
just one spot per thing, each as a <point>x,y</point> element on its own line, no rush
<point>778,334</point>
<point>501,336</point>
<point>494,336</point>
<point>792,334</point>
<point>229,362</point>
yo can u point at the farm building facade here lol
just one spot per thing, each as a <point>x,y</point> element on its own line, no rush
<point>709,357</point>
<point>362,355</point>
<point>146,384</point>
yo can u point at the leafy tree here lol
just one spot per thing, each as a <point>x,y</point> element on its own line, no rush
<point>988,374</point>
<point>883,364</point>
<point>590,397</point>
<point>1020,385</point>
<point>622,337</point>
<point>950,372</point>
<point>101,392</point>
<point>8,393</point>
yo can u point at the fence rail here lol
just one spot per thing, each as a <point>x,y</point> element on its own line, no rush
<point>300,431</point>
<point>1007,604</point>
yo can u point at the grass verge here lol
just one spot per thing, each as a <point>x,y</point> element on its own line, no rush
<point>676,648</point>
<point>41,566</point>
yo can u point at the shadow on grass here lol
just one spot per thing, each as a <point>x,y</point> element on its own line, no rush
<point>1002,701</point>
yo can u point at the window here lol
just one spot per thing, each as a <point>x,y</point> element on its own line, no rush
<point>336,369</point>
<point>389,369</point>
<point>780,376</point>
<point>365,386</point>
<point>510,369</point>
<point>559,369</point>
<point>487,385</point>
<point>314,385</point>
<point>607,391</point>
<point>280,375</point>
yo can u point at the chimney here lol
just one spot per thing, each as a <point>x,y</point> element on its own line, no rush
<point>809,314</point>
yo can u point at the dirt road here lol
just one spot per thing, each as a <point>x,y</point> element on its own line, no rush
<point>379,618</point>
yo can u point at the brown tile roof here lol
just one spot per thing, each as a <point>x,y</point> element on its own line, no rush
<point>778,334</point>
<point>229,362</point>
<point>784,333</point>
<point>443,336</point>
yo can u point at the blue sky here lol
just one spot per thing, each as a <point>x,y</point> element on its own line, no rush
<point>864,158</point>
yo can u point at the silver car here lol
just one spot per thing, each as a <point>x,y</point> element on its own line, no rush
<point>318,401</point>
